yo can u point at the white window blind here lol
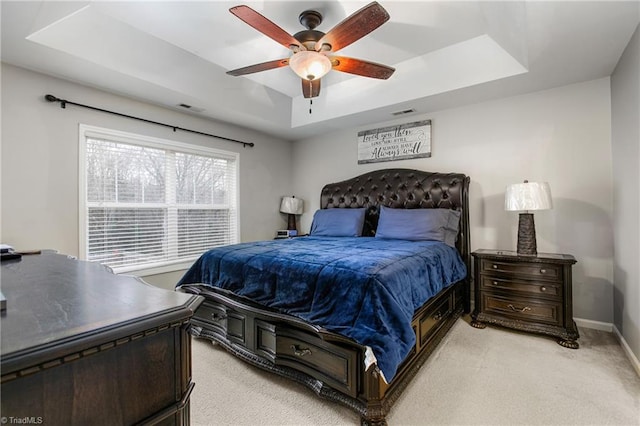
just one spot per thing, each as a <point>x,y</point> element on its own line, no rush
<point>148,203</point>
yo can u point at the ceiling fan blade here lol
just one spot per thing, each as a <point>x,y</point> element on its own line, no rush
<point>310,88</point>
<point>265,26</point>
<point>260,67</point>
<point>354,27</point>
<point>360,67</point>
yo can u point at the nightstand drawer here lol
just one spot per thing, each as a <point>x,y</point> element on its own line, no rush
<point>523,309</point>
<point>497,282</point>
<point>545,271</point>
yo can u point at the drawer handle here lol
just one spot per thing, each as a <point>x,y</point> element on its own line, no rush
<point>297,351</point>
<point>514,309</point>
<point>437,316</point>
<point>495,283</point>
<point>494,266</point>
<point>543,289</point>
<point>218,317</point>
<point>543,271</point>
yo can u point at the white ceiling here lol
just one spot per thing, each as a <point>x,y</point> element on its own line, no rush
<point>446,54</point>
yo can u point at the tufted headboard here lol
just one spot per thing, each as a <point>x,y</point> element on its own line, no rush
<point>403,189</point>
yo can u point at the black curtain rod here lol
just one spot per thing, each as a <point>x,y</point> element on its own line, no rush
<point>64,102</point>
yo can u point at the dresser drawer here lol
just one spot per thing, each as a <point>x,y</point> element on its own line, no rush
<point>543,271</point>
<point>332,364</point>
<point>523,309</point>
<point>499,282</point>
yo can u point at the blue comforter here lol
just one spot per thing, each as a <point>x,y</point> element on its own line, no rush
<point>365,288</point>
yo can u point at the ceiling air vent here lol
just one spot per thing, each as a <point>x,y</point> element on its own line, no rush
<point>191,108</point>
<point>406,111</point>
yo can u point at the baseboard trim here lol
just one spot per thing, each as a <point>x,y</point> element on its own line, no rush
<point>596,325</point>
<point>627,350</point>
<point>611,328</point>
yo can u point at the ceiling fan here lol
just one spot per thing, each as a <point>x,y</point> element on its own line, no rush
<point>313,50</point>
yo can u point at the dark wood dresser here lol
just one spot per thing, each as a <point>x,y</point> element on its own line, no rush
<point>81,345</point>
<point>527,293</point>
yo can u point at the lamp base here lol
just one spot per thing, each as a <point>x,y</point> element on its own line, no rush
<point>526,235</point>
<point>291,222</point>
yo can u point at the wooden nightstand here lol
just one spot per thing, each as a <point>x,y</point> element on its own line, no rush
<point>527,293</point>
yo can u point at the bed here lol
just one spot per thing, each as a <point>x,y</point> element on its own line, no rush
<point>352,317</point>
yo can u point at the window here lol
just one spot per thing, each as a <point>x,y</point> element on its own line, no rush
<point>153,204</point>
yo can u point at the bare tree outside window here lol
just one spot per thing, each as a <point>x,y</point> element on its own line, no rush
<point>148,205</point>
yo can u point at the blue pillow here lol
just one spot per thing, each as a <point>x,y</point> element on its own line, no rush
<point>338,222</point>
<point>419,224</point>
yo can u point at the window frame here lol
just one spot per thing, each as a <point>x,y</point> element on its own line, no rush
<point>88,131</point>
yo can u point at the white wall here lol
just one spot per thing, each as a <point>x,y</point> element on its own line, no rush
<point>39,202</point>
<point>625,140</point>
<point>562,136</point>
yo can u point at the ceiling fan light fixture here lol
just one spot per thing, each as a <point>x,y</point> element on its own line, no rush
<point>309,64</point>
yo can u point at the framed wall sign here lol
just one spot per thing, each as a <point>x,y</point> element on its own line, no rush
<point>400,142</point>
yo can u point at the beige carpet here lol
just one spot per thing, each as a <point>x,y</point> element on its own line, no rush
<point>476,377</point>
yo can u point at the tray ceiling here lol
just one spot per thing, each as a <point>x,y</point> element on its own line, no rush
<point>446,53</point>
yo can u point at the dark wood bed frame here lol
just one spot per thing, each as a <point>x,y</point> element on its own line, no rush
<point>332,365</point>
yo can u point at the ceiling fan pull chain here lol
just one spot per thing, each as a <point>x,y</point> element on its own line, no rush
<point>310,99</point>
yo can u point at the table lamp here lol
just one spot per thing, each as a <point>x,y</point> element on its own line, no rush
<point>524,197</point>
<point>292,206</point>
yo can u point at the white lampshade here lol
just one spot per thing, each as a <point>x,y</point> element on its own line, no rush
<point>309,64</point>
<point>291,205</point>
<point>528,196</point>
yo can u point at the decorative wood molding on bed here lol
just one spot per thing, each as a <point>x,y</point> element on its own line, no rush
<point>330,364</point>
